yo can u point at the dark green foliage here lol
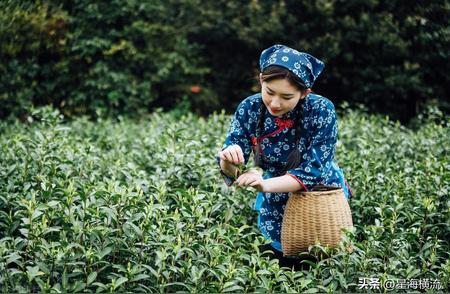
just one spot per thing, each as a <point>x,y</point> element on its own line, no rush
<point>93,56</point>
<point>139,206</point>
<point>391,56</point>
<point>110,57</point>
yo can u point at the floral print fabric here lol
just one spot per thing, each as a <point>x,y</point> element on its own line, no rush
<point>302,64</point>
<point>317,146</point>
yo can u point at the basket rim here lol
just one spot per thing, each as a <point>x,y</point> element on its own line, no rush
<point>318,193</point>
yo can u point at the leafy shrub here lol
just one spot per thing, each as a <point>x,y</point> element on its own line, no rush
<point>140,206</point>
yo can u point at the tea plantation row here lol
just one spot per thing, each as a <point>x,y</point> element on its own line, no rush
<point>140,206</point>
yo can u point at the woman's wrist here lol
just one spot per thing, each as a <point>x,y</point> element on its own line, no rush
<point>266,186</point>
<point>281,184</point>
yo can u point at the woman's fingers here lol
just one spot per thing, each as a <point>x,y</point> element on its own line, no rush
<point>241,180</point>
<point>246,180</point>
<point>240,155</point>
<point>232,154</point>
<point>254,183</point>
<point>223,156</point>
<point>226,155</point>
<point>235,154</point>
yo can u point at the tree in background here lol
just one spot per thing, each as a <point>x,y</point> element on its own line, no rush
<point>111,57</point>
<point>391,56</point>
<point>93,56</point>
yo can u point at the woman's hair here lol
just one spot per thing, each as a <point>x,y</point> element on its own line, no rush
<point>274,73</point>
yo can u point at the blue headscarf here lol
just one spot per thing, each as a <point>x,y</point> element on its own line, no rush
<point>303,65</point>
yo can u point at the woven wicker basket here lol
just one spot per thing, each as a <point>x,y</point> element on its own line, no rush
<point>314,216</point>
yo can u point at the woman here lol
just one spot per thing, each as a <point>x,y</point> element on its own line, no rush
<point>292,133</point>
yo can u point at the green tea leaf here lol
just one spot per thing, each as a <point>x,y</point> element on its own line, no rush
<point>91,278</point>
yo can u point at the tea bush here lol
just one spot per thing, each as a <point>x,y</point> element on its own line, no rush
<point>137,206</point>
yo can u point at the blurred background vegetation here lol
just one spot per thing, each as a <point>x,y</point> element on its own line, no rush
<point>129,57</point>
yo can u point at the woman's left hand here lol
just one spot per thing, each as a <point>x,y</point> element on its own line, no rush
<point>251,179</point>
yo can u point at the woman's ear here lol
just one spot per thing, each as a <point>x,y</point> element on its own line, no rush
<point>306,93</point>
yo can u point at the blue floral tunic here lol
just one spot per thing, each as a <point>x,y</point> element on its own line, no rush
<point>317,146</point>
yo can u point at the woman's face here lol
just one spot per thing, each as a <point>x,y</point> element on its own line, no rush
<point>280,96</point>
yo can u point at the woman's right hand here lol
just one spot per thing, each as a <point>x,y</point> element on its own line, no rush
<point>232,154</point>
